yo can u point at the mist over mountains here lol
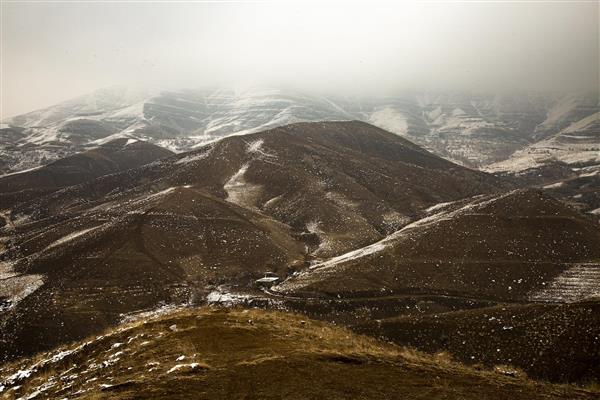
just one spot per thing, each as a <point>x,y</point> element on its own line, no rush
<point>500,132</point>
<point>299,200</point>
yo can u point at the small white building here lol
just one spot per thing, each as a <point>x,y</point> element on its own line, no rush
<point>268,280</point>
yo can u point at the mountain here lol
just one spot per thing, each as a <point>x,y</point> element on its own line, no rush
<point>505,247</point>
<point>509,279</point>
<point>323,179</point>
<point>577,145</point>
<point>473,129</point>
<point>224,214</point>
<point>70,276</point>
<point>114,156</point>
<point>565,163</point>
<point>223,354</point>
<point>353,224</point>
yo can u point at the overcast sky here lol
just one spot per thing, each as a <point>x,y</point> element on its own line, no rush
<point>54,51</point>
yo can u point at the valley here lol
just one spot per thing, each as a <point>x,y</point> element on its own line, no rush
<point>356,226</point>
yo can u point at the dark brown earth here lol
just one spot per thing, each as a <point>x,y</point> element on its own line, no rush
<point>576,185</point>
<point>251,354</point>
<point>500,248</point>
<point>534,337</point>
<point>216,219</point>
<point>464,281</point>
<point>111,157</point>
<point>350,181</point>
<point>167,248</point>
<point>171,230</point>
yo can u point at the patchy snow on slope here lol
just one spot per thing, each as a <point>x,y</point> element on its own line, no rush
<point>110,138</point>
<point>554,185</point>
<point>341,200</point>
<point>391,120</point>
<point>325,243</point>
<point>518,162</point>
<point>70,237</point>
<point>272,201</point>
<point>157,194</point>
<point>191,366</point>
<point>352,255</point>
<point>239,191</point>
<point>394,220</point>
<point>150,314</point>
<point>222,296</point>
<point>438,206</point>
<point>254,146</point>
<point>576,283</point>
<point>201,155</point>
<point>16,286</point>
<point>41,136</point>
<point>589,174</point>
<point>20,172</point>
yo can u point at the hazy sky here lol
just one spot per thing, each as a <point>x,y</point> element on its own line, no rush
<point>55,51</point>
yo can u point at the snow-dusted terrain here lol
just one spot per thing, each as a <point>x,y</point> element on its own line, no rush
<point>577,283</point>
<point>472,129</point>
<point>577,144</point>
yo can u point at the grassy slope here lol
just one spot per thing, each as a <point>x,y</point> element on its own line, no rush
<point>254,354</point>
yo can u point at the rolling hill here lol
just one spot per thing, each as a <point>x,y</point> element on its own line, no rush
<point>172,230</point>
<point>222,354</point>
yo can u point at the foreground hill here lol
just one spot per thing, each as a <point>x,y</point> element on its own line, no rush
<point>252,354</point>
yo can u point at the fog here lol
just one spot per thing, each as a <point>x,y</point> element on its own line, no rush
<point>55,51</point>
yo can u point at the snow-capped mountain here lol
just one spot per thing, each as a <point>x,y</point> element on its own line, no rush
<point>475,130</point>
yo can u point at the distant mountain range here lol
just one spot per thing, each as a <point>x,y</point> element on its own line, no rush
<point>497,132</point>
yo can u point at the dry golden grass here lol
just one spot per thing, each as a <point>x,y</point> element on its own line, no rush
<point>252,348</point>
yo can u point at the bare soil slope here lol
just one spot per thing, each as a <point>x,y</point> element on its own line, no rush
<point>251,354</point>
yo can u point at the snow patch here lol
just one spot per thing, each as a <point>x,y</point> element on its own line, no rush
<point>578,282</point>
<point>391,120</point>
<point>15,286</point>
<point>191,366</point>
<point>20,172</point>
<point>554,185</point>
<point>439,206</point>
<point>194,157</point>
<point>222,297</point>
<point>255,146</point>
<point>70,237</point>
<point>239,191</point>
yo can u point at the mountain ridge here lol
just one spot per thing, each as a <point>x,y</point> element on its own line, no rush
<point>446,123</point>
